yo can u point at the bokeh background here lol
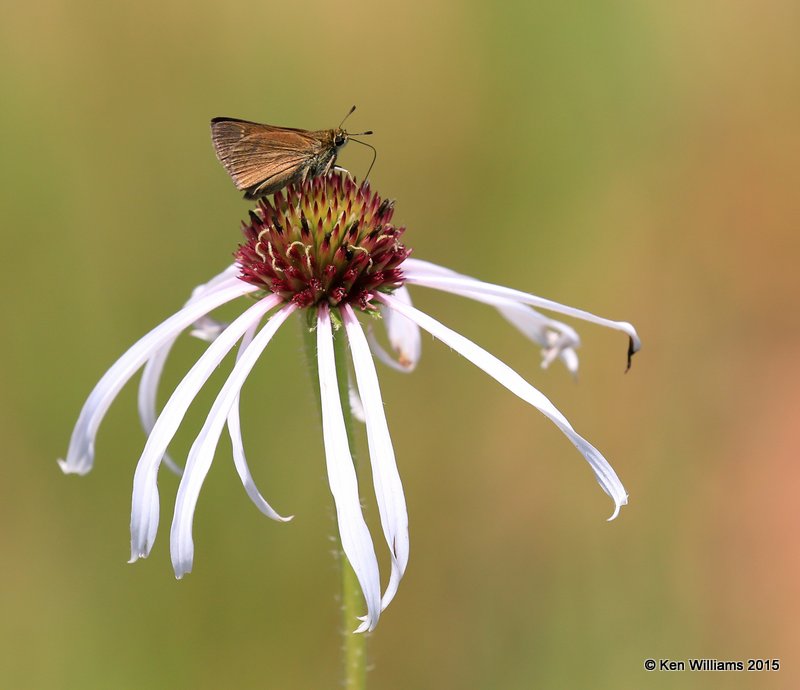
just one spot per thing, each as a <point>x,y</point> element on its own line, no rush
<point>639,160</point>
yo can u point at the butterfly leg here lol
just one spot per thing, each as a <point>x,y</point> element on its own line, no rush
<point>340,169</point>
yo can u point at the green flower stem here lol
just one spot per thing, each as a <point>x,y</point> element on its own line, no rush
<point>354,647</point>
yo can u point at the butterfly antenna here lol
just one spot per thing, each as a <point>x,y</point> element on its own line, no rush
<point>349,113</point>
<point>374,154</point>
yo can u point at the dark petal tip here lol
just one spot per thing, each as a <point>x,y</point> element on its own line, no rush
<point>632,350</point>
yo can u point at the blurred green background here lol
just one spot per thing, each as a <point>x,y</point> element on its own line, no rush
<point>639,160</point>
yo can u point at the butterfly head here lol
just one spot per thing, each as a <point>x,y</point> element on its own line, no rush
<point>339,138</point>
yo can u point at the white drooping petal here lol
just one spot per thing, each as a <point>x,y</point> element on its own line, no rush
<point>144,503</point>
<point>239,457</point>
<point>353,531</point>
<point>80,455</point>
<point>557,339</point>
<point>536,326</point>
<point>202,452</point>
<point>151,374</point>
<point>386,479</point>
<point>207,328</point>
<point>421,266</point>
<point>403,337</point>
<point>419,273</point>
<point>228,272</point>
<point>507,377</point>
<point>148,391</point>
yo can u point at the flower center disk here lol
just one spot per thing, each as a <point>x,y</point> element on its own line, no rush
<point>323,240</point>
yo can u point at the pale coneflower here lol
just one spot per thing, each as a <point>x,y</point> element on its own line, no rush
<point>326,247</point>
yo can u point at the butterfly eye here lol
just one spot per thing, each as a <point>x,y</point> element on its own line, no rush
<point>339,140</point>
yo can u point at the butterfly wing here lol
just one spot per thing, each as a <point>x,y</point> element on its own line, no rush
<point>277,178</point>
<point>263,158</point>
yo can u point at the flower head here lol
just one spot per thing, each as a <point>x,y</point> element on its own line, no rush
<point>328,247</point>
<point>325,242</point>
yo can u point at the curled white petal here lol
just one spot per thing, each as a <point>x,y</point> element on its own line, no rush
<point>386,358</point>
<point>207,329</point>
<point>557,339</point>
<point>353,531</point>
<point>80,456</point>
<point>239,457</point>
<point>356,406</point>
<point>419,273</point>
<point>570,359</point>
<point>386,479</point>
<point>403,337</point>
<point>144,503</point>
<point>151,374</point>
<point>204,446</point>
<point>507,377</point>
<point>148,391</point>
